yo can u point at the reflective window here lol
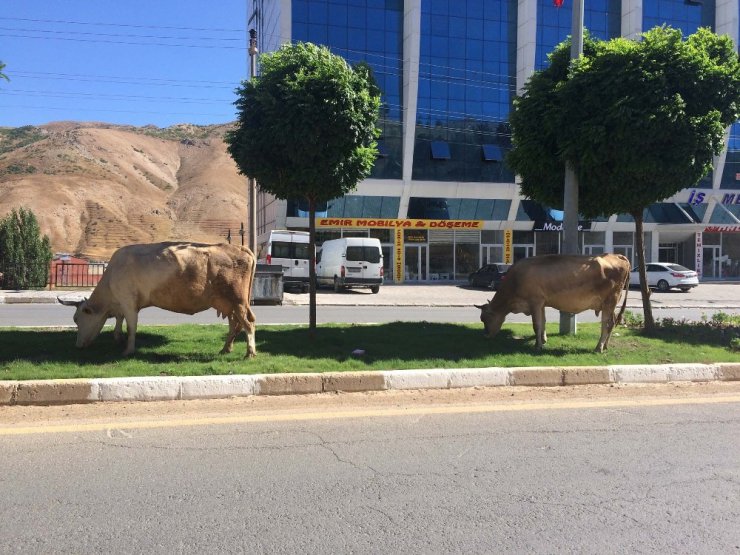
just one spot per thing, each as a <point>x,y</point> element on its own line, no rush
<point>467,78</point>
<point>687,16</point>
<point>725,214</point>
<point>350,206</point>
<point>440,150</point>
<point>731,171</point>
<point>602,18</point>
<point>458,209</point>
<point>369,31</point>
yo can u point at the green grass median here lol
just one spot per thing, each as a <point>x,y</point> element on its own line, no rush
<point>192,350</point>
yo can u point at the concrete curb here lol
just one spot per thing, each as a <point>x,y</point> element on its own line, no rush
<point>156,388</point>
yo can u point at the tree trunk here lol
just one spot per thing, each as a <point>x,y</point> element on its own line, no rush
<point>311,268</point>
<point>644,289</point>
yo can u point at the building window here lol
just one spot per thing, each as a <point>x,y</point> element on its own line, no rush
<point>492,153</point>
<point>440,150</point>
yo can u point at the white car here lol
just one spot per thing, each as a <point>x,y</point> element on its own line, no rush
<point>665,275</point>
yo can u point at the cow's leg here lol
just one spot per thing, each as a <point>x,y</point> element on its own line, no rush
<point>118,329</point>
<point>538,324</point>
<point>544,325</point>
<point>247,320</point>
<point>607,324</point>
<point>132,318</point>
<point>234,329</point>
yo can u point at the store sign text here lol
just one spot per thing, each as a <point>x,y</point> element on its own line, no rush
<point>395,224</point>
<point>700,197</point>
<point>722,229</point>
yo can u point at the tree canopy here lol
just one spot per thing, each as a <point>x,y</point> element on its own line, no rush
<point>306,130</point>
<point>639,120</point>
<point>306,125</point>
<point>2,75</point>
<point>24,254</point>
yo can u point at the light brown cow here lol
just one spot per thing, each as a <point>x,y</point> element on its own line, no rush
<point>570,283</point>
<point>181,277</point>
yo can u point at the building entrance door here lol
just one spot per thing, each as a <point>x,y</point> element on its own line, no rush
<point>388,266</point>
<point>416,261</point>
<point>523,251</point>
<point>491,254</point>
<point>711,267</point>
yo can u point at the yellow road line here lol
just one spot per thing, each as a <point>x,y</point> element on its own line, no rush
<point>365,413</point>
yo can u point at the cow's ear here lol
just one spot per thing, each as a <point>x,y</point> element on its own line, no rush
<point>481,306</point>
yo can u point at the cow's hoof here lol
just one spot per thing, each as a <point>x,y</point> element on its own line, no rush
<point>225,351</point>
<point>250,355</point>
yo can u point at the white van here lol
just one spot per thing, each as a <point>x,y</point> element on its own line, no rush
<point>350,262</point>
<point>288,249</point>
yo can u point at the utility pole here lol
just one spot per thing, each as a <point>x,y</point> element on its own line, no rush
<point>252,184</point>
<point>568,323</point>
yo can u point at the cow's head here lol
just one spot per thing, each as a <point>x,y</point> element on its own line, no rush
<point>89,319</point>
<point>492,318</point>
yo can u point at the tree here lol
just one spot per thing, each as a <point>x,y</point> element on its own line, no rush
<point>2,75</point>
<point>639,120</point>
<point>24,254</point>
<point>306,129</point>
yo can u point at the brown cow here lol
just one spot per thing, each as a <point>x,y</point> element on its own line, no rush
<point>181,277</point>
<point>570,283</point>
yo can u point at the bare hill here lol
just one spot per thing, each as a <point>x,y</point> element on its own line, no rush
<point>95,187</point>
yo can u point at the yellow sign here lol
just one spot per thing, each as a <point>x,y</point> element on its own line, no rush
<point>398,278</point>
<point>386,223</point>
<point>508,235</point>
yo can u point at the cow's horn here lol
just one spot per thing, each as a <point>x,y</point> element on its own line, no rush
<point>481,306</point>
<point>69,303</point>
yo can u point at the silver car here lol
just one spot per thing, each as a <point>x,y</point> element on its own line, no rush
<point>665,275</point>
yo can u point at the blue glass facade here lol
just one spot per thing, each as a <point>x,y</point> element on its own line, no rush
<point>369,31</point>
<point>731,171</point>
<point>467,79</point>
<point>687,15</point>
<point>602,18</point>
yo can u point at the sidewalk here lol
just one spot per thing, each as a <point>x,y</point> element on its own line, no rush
<point>715,296</point>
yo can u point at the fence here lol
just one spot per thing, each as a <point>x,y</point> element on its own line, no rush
<point>76,274</point>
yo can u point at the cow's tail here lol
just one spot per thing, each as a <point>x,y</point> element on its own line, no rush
<point>624,303</point>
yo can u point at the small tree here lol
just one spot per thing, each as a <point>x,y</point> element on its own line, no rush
<point>639,121</point>
<point>306,130</point>
<point>2,75</point>
<point>24,254</point>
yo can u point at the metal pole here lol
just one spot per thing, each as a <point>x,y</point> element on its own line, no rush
<point>568,323</point>
<point>252,182</point>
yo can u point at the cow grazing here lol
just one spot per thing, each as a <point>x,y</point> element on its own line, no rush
<point>181,277</point>
<point>570,283</point>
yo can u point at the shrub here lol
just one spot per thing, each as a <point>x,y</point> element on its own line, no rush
<point>24,254</point>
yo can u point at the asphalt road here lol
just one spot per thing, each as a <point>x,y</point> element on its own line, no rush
<point>58,315</point>
<point>605,473</point>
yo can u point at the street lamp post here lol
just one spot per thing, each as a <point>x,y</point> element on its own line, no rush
<point>568,323</point>
<point>252,182</point>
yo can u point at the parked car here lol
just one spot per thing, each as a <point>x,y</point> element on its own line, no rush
<point>665,276</point>
<point>489,275</point>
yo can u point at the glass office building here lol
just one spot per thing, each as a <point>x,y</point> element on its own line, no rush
<point>440,197</point>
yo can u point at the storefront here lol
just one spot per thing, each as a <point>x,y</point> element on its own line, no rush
<point>718,252</point>
<point>418,250</point>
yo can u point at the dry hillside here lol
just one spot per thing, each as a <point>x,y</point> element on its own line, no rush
<point>95,187</point>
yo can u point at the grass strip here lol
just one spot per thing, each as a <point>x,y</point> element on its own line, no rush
<point>192,350</point>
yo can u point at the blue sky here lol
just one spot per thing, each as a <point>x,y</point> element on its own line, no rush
<point>134,62</point>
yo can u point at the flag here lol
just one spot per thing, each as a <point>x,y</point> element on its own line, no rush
<point>557,3</point>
